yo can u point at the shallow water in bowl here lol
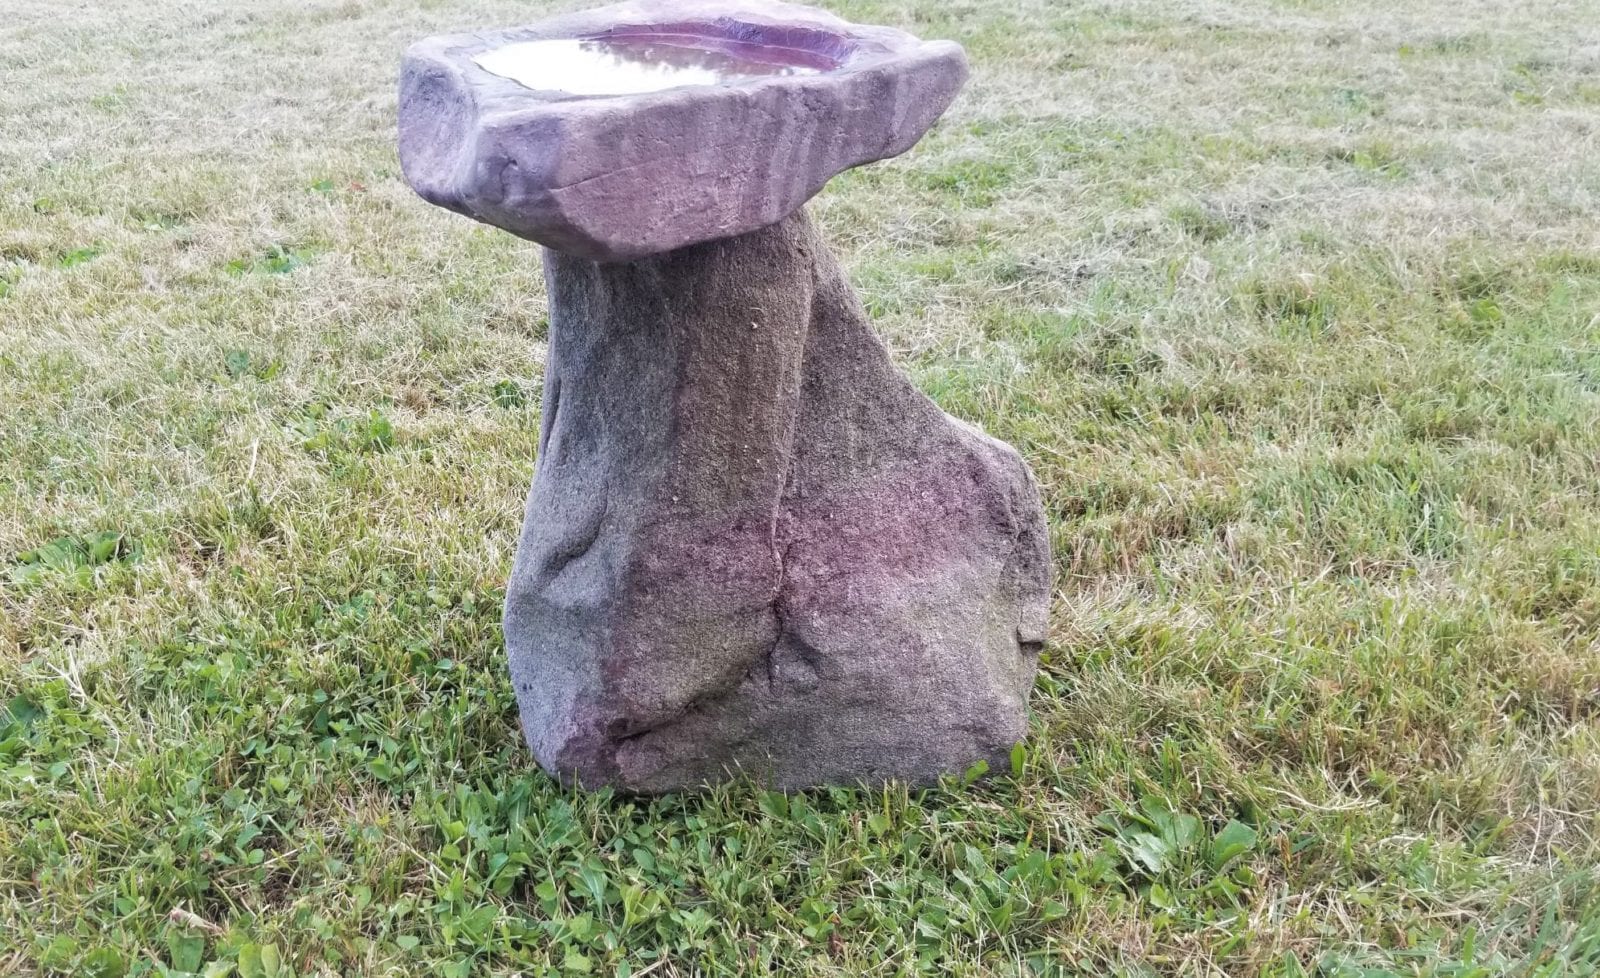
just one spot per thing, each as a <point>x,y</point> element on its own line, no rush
<point>633,64</point>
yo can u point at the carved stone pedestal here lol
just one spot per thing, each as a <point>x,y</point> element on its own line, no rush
<point>752,546</point>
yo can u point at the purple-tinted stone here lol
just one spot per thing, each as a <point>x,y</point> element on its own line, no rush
<point>614,177</point>
<point>751,545</point>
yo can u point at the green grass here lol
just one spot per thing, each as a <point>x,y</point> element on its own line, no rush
<point>1293,306</point>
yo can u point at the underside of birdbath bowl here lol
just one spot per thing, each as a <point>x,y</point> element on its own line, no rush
<point>751,547</point>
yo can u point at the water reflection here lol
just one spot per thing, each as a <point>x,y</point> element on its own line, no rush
<point>642,63</point>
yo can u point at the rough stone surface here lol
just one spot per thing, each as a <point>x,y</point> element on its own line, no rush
<point>752,546</point>
<point>618,177</point>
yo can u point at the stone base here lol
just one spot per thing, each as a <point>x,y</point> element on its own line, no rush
<point>752,547</point>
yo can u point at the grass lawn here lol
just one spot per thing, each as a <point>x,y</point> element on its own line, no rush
<point>1293,306</point>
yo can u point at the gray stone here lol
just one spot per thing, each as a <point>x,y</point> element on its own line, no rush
<point>621,177</point>
<point>752,546</point>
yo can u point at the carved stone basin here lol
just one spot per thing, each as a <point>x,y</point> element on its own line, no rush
<point>646,126</point>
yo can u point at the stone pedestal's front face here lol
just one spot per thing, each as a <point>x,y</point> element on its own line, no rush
<point>751,547</point>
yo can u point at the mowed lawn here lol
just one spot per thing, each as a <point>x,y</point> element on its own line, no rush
<point>1292,305</point>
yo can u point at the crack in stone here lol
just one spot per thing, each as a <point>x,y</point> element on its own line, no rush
<point>665,163</point>
<point>780,550</point>
<point>779,606</point>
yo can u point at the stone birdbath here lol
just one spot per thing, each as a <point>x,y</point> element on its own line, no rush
<point>752,548</point>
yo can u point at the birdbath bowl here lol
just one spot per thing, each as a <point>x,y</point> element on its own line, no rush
<point>643,127</point>
<point>752,547</point>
